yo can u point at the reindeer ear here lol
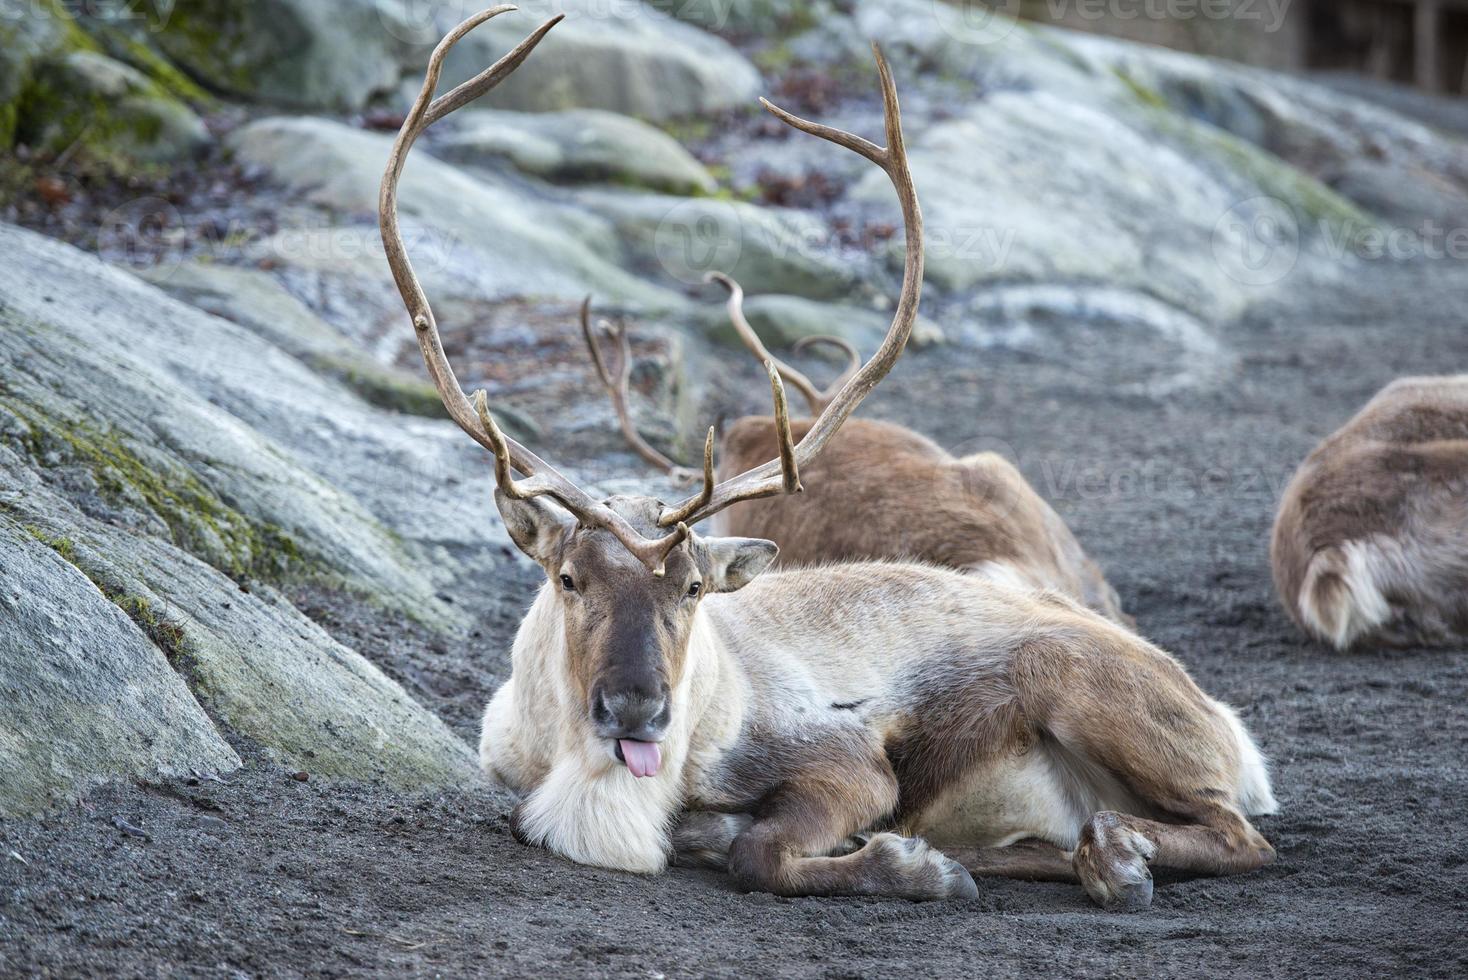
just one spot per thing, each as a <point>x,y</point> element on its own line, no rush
<point>736,561</point>
<point>537,528</point>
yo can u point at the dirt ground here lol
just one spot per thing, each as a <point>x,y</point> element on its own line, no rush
<point>266,875</point>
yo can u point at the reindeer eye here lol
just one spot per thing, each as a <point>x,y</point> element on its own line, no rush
<point>567,584</point>
<point>695,588</point>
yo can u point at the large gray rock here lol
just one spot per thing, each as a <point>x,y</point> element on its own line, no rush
<point>470,236</point>
<point>766,250</point>
<point>577,145</point>
<point>261,667</point>
<point>87,696</point>
<point>256,300</point>
<point>185,464</point>
<point>623,57</point>
<point>1072,170</point>
<point>300,53</point>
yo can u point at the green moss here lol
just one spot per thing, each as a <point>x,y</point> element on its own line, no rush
<point>1145,94</point>
<point>134,52</point>
<point>166,634</point>
<point>202,33</point>
<point>197,520</point>
<point>1274,176</point>
<point>63,546</point>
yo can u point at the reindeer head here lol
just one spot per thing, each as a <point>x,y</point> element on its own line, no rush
<point>628,573</point>
<point>627,630</point>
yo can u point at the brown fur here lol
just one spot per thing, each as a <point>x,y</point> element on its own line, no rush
<point>883,491</point>
<point>1391,489</point>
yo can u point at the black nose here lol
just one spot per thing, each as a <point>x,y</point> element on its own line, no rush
<point>636,714</point>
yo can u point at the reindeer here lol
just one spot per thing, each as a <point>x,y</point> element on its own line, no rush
<point>976,514</point>
<point>806,729</point>
<point>1371,541</point>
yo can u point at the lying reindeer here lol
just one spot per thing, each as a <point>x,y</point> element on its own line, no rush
<point>1371,541</point>
<point>666,700</point>
<point>976,514</point>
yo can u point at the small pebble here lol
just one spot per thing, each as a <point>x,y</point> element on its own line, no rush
<point>301,776</point>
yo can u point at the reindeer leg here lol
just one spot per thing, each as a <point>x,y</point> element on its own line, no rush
<point>1027,860</point>
<point>702,838</point>
<point>1115,850</point>
<point>785,849</point>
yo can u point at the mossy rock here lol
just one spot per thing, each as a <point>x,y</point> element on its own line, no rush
<point>116,115</point>
<point>300,53</point>
<point>60,94</point>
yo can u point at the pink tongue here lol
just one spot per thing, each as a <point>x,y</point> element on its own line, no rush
<point>643,758</point>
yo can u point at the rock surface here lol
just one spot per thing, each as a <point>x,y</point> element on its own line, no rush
<point>624,57</point>
<point>189,464</point>
<point>87,695</point>
<point>301,53</point>
<point>469,236</point>
<point>577,145</point>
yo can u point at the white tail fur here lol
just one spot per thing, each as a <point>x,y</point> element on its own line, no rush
<point>1341,598</point>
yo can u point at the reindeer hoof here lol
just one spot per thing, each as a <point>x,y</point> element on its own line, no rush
<point>960,882</point>
<point>1111,861</point>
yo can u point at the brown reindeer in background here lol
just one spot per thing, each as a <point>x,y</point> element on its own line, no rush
<point>1371,541</point>
<point>881,490</point>
<point>801,728</point>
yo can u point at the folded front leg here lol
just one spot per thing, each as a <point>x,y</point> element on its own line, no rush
<point>784,850</point>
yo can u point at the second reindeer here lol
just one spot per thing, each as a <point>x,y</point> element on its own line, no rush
<point>881,490</point>
<point>806,729</point>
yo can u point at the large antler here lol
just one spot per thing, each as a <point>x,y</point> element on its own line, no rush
<point>816,398</point>
<point>780,476</point>
<point>542,479</point>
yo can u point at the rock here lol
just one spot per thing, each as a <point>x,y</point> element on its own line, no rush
<point>257,301</point>
<point>1072,170</point>
<point>300,53</point>
<point>623,57</point>
<point>192,428</point>
<point>1096,331</point>
<point>766,250</point>
<point>758,17</point>
<point>260,666</point>
<point>577,145</point>
<point>59,94</point>
<point>114,112</point>
<point>87,697</point>
<point>25,42</point>
<point>185,468</point>
<point>470,236</point>
<point>782,320</point>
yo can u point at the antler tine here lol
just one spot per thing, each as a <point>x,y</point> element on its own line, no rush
<point>755,346</point>
<point>789,466</point>
<point>692,504</point>
<point>774,477</point>
<point>543,480</point>
<point>853,361</point>
<point>618,389</point>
